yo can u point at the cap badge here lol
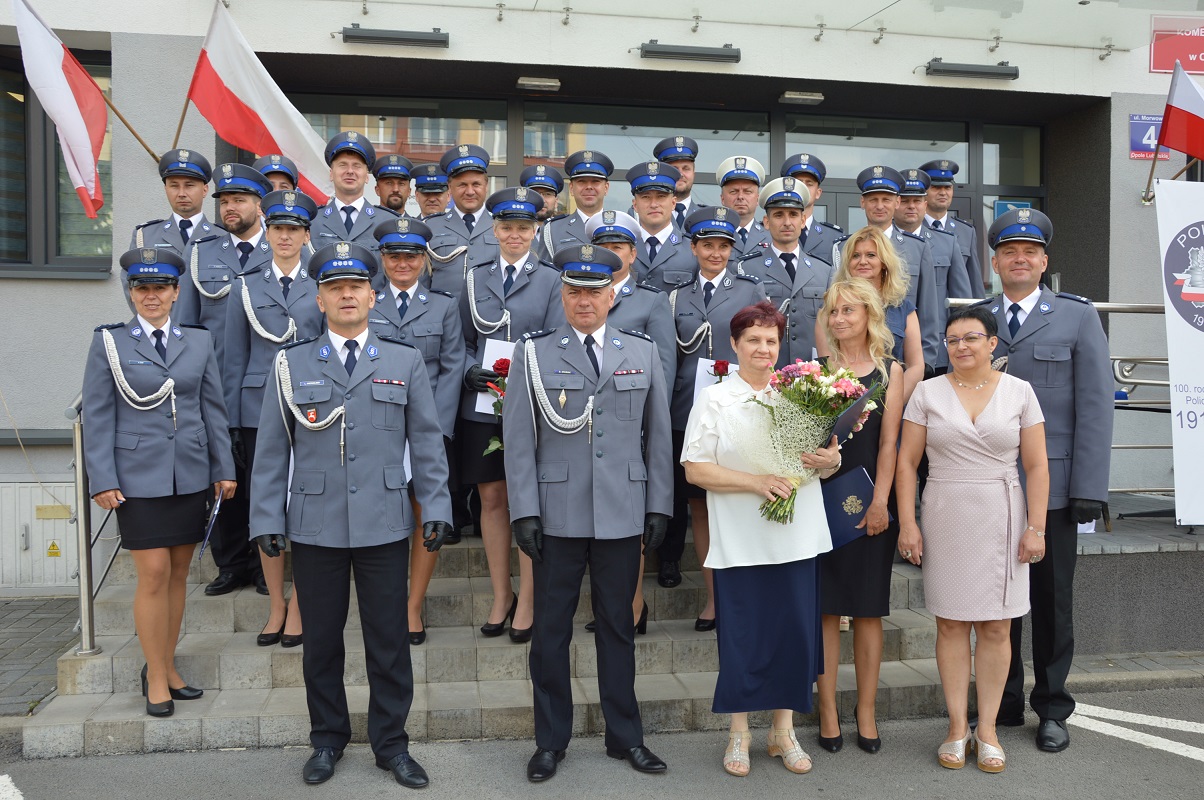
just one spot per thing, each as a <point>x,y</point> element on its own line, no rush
<point>803,158</point>
<point>432,170</point>
<point>913,174</point>
<point>290,199</point>
<point>520,194</point>
<point>877,172</point>
<point>944,165</point>
<point>149,256</point>
<point>392,159</point>
<point>653,168</point>
<point>680,141</point>
<point>342,250</point>
<point>183,155</point>
<point>721,213</point>
<point>587,155</point>
<point>587,252</point>
<point>403,226</point>
<point>788,184</point>
<point>608,218</point>
<point>275,159</point>
<point>1024,215</point>
<point>463,150</point>
<point>540,169</point>
<point>741,162</point>
<point>352,136</point>
<point>227,170</point>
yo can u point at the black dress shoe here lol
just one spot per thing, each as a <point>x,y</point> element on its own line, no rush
<point>287,640</point>
<point>186,693</point>
<point>266,639</point>
<point>832,744</point>
<point>866,743</point>
<point>498,628</point>
<point>160,709</point>
<point>418,637</point>
<point>520,635</point>
<point>669,574</point>
<point>591,626</point>
<point>1052,735</point>
<point>640,758</point>
<point>320,766</point>
<point>543,764</point>
<point>703,625</point>
<point>454,537</point>
<point>261,585</point>
<point>406,771</point>
<point>1008,721</point>
<point>225,583</point>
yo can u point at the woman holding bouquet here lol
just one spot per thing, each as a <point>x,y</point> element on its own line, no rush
<point>766,591</point>
<point>855,579</point>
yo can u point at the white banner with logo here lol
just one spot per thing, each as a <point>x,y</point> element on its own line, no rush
<point>1181,239</point>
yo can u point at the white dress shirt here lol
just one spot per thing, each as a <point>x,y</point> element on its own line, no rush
<point>599,340</point>
<point>340,345</point>
<point>1027,305</point>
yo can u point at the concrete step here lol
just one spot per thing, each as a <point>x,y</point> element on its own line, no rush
<point>100,724</point>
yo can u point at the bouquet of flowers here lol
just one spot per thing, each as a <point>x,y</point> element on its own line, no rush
<point>806,398</point>
<point>498,390</point>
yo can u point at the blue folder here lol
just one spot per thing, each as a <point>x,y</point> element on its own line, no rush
<point>843,428</point>
<point>846,499</point>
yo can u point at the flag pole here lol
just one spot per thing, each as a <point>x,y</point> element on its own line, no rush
<point>180,126</point>
<point>130,127</point>
<point>1186,167</point>
<point>1147,197</point>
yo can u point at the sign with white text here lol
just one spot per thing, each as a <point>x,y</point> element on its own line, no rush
<point>1144,130</point>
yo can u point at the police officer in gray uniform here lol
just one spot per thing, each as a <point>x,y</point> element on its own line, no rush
<point>939,217</point>
<point>637,306</point>
<point>588,458</point>
<point>1057,344</point>
<point>392,173</point>
<point>280,171</point>
<point>740,179</point>
<point>348,216</point>
<point>948,265</point>
<point>817,237</point>
<point>547,180</point>
<point>186,176</point>
<point>793,280</point>
<point>343,408</point>
<point>589,181</point>
<point>463,236</point>
<point>680,152</point>
<point>430,190</point>
<point>663,257</point>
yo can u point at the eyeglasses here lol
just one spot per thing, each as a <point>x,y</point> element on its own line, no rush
<point>970,339</point>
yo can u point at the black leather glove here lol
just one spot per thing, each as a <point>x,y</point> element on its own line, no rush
<point>528,535</point>
<point>477,377</point>
<point>655,528</point>
<point>434,534</point>
<point>238,448</point>
<point>272,544</point>
<point>1085,510</point>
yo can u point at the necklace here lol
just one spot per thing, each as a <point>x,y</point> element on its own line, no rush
<point>973,388</point>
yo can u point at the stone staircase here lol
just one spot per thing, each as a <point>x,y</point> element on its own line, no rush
<point>466,686</point>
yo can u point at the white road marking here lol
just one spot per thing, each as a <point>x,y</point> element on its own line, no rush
<point>1145,739</point>
<point>1099,712</point>
<point>8,789</point>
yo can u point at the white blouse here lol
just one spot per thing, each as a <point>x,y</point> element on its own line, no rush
<point>740,536</point>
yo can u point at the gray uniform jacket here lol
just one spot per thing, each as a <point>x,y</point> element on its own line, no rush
<point>758,244</point>
<point>448,234</point>
<point>800,301</point>
<point>967,237</point>
<point>1062,351</point>
<point>599,482</point>
<point>248,355</point>
<point>360,500</point>
<point>328,226</point>
<point>165,233</point>
<point>432,324</point>
<point>143,453</point>
<point>689,314</point>
<point>534,304</point>
<point>217,269</point>
<point>564,231</point>
<point>645,309</point>
<point>952,279</point>
<point>820,238</point>
<point>674,263</point>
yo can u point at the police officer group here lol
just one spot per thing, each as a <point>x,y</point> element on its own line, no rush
<point>328,370</point>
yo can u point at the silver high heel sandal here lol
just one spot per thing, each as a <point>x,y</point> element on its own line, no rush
<point>957,748</point>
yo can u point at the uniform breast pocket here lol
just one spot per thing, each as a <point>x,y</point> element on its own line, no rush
<point>490,239</point>
<point>553,477</point>
<point>388,406</point>
<point>940,266</point>
<point>254,380</point>
<point>214,277</point>
<point>430,335</point>
<point>397,500</point>
<point>304,513</point>
<point>775,290</point>
<point>1052,365</point>
<point>630,392</point>
<point>812,301</point>
<point>303,394</point>
<point>676,276</point>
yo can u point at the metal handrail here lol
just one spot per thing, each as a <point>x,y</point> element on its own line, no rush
<point>83,533</point>
<point>1115,308</point>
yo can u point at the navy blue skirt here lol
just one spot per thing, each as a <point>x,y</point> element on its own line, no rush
<point>770,645</point>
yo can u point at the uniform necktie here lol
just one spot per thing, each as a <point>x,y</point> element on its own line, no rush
<point>509,282</point>
<point>743,237</point>
<point>653,245</point>
<point>285,282</point>
<point>159,346</point>
<point>936,223</point>
<point>802,239</point>
<point>403,305</point>
<point>350,362</point>
<point>708,290</point>
<point>185,227</point>
<point>680,215</point>
<point>244,252</point>
<point>1014,322</point>
<point>593,357</point>
<point>788,260</point>
<point>469,221</point>
<point>348,222</point>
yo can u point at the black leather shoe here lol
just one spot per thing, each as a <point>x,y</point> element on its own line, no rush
<point>225,583</point>
<point>703,625</point>
<point>543,764</point>
<point>320,766</point>
<point>1008,721</point>
<point>292,641</point>
<point>591,626</point>
<point>669,574</point>
<point>261,585</point>
<point>266,639</point>
<point>498,628</point>
<point>160,709</point>
<point>418,637</point>
<point>520,635</point>
<point>640,758</point>
<point>408,772</point>
<point>866,743</point>
<point>186,693</point>
<point>831,743</point>
<point>1052,735</point>
<point>454,537</point>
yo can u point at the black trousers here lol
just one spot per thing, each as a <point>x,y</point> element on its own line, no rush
<point>323,577</point>
<point>674,545</point>
<point>1051,593</point>
<point>231,545</point>
<point>613,571</point>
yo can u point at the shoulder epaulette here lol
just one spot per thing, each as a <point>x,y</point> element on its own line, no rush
<point>648,286</point>
<point>981,302</point>
<point>746,277</point>
<point>537,334</point>
<point>945,231</point>
<point>844,238</point>
<point>548,264</point>
<point>208,238</point>
<point>558,216</point>
<point>440,291</point>
<point>1070,296</point>
<point>817,257</point>
<point>111,326</point>
<point>637,334</point>
<point>963,221</point>
<point>298,342</point>
<point>748,256</point>
<point>836,228</point>
<point>912,235</point>
<point>251,271</point>
<point>148,224</point>
<point>686,283</point>
<point>188,325</point>
<point>481,264</point>
<point>391,340</point>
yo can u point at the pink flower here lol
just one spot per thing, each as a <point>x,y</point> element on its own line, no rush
<point>846,387</point>
<point>808,368</point>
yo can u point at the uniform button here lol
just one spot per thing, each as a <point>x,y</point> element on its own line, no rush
<point>794,338</point>
<point>347,396</point>
<point>352,490</point>
<point>351,426</point>
<point>599,434</point>
<point>403,336</point>
<point>598,454</point>
<point>1011,349</point>
<point>599,411</point>
<point>165,375</point>
<point>351,457</point>
<point>171,436</point>
<point>562,383</point>
<point>390,395</point>
<point>301,488</point>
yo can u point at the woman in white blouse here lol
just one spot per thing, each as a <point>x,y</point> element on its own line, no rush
<point>766,591</point>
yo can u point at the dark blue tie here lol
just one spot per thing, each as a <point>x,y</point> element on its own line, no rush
<point>653,244</point>
<point>509,282</point>
<point>1014,322</point>
<point>160,348</point>
<point>185,225</point>
<point>802,239</point>
<point>743,238</point>
<point>244,252</point>
<point>936,223</point>
<point>469,221</point>
<point>680,215</point>
<point>788,260</point>
<point>593,357</point>
<point>285,282</point>
<point>350,362</point>
<point>347,212</point>
<point>403,305</point>
<point>708,289</point>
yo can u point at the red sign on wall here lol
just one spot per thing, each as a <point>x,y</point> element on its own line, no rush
<point>1177,39</point>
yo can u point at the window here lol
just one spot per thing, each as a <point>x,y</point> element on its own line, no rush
<point>546,140</point>
<point>425,132</point>
<point>848,145</point>
<point>1011,155</point>
<point>13,211</point>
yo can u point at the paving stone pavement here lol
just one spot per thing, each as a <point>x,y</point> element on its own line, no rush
<point>34,632</point>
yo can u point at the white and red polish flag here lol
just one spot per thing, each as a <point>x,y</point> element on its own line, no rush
<point>70,98</point>
<point>1183,119</point>
<point>233,91</point>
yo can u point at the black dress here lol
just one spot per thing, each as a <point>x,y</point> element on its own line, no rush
<point>854,580</point>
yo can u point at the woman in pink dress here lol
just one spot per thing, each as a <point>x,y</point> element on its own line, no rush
<point>979,534</point>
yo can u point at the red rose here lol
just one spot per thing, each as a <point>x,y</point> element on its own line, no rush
<point>502,367</point>
<point>721,369</point>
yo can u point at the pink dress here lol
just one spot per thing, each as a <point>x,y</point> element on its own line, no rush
<point>973,511</point>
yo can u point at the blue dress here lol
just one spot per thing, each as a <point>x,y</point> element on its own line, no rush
<point>896,320</point>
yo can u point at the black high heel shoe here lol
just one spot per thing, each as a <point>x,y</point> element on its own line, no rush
<point>832,744</point>
<point>703,625</point>
<point>520,635</point>
<point>158,709</point>
<point>269,639</point>
<point>183,693</point>
<point>641,626</point>
<point>864,742</point>
<point>418,637</point>
<point>498,628</point>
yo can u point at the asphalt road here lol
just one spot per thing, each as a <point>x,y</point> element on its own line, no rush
<point>1127,757</point>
